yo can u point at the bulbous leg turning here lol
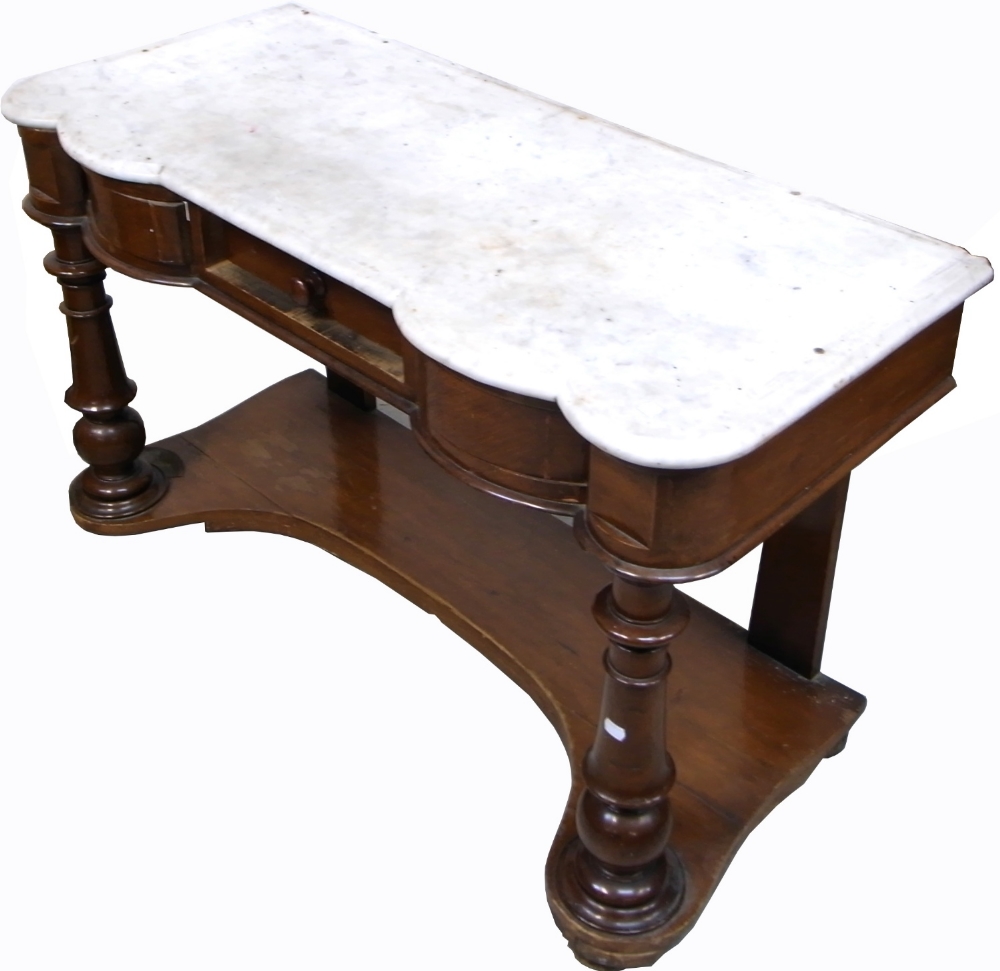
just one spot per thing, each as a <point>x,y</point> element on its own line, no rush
<point>117,483</point>
<point>619,875</point>
<point>110,436</point>
<point>620,900</point>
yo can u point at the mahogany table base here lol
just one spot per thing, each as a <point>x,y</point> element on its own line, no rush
<point>744,730</point>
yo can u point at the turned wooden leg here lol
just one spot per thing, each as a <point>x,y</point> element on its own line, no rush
<point>619,874</point>
<point>110,435</point>
<point>794,584</point>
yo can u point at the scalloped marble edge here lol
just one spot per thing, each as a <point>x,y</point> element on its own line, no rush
<point>680,311</point>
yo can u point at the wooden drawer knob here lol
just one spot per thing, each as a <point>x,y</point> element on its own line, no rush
<point>308,290</point>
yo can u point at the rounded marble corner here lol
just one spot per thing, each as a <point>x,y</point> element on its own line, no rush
<point>23,104</point>
<point>679,311</point>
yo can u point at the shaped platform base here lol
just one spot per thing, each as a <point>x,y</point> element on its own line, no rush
<point>744,731</point>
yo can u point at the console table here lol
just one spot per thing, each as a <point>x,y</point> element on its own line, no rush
<point>576,320</point>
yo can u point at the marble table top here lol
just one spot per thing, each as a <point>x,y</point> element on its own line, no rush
<point>681,312</point>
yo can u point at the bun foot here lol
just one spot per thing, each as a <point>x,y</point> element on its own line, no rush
<point>838,748</point>
<point>117,498</point>
<point>619,901</point>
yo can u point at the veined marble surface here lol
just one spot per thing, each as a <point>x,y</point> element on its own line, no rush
<point>680,312</point>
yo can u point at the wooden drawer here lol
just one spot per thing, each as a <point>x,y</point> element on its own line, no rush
<point>145,227</point>
<point>325,312</point>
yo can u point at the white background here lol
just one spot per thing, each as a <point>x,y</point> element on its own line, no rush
<point>234,751</point>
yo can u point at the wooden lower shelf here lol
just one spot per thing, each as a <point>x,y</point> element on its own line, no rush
<point>743,730</point>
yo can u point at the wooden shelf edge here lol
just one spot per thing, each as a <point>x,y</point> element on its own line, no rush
<point>744,731</point>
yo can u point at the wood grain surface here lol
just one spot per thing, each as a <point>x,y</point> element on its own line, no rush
<point>841,873</point>
<point>745,731</point>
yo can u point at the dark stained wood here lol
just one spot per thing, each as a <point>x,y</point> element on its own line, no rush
<point>367,317</point>
<point>145,226</point>
<point>309,342</point>
<point>267,263</point>
<point>675,524</point>
<point>745,731</point>
<point>794,584</point>
<point>377,362</point>
<point>619,875</point>
<point>339,385</point>
<point>320,315</point>
<point>363,314</point>
<point>110,436</point>
<point>56,184</point>
<point>503,442</point>
<point>646,837</point>
<point>691,523</point>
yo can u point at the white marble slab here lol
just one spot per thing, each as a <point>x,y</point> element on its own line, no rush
<point>681,312</point>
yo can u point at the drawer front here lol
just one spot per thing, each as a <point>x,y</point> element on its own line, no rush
<point>524,445</point>
<point>322,312</point>
<point>145,226</point>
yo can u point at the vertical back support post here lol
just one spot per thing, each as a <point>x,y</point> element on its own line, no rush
<point>794,583</point>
